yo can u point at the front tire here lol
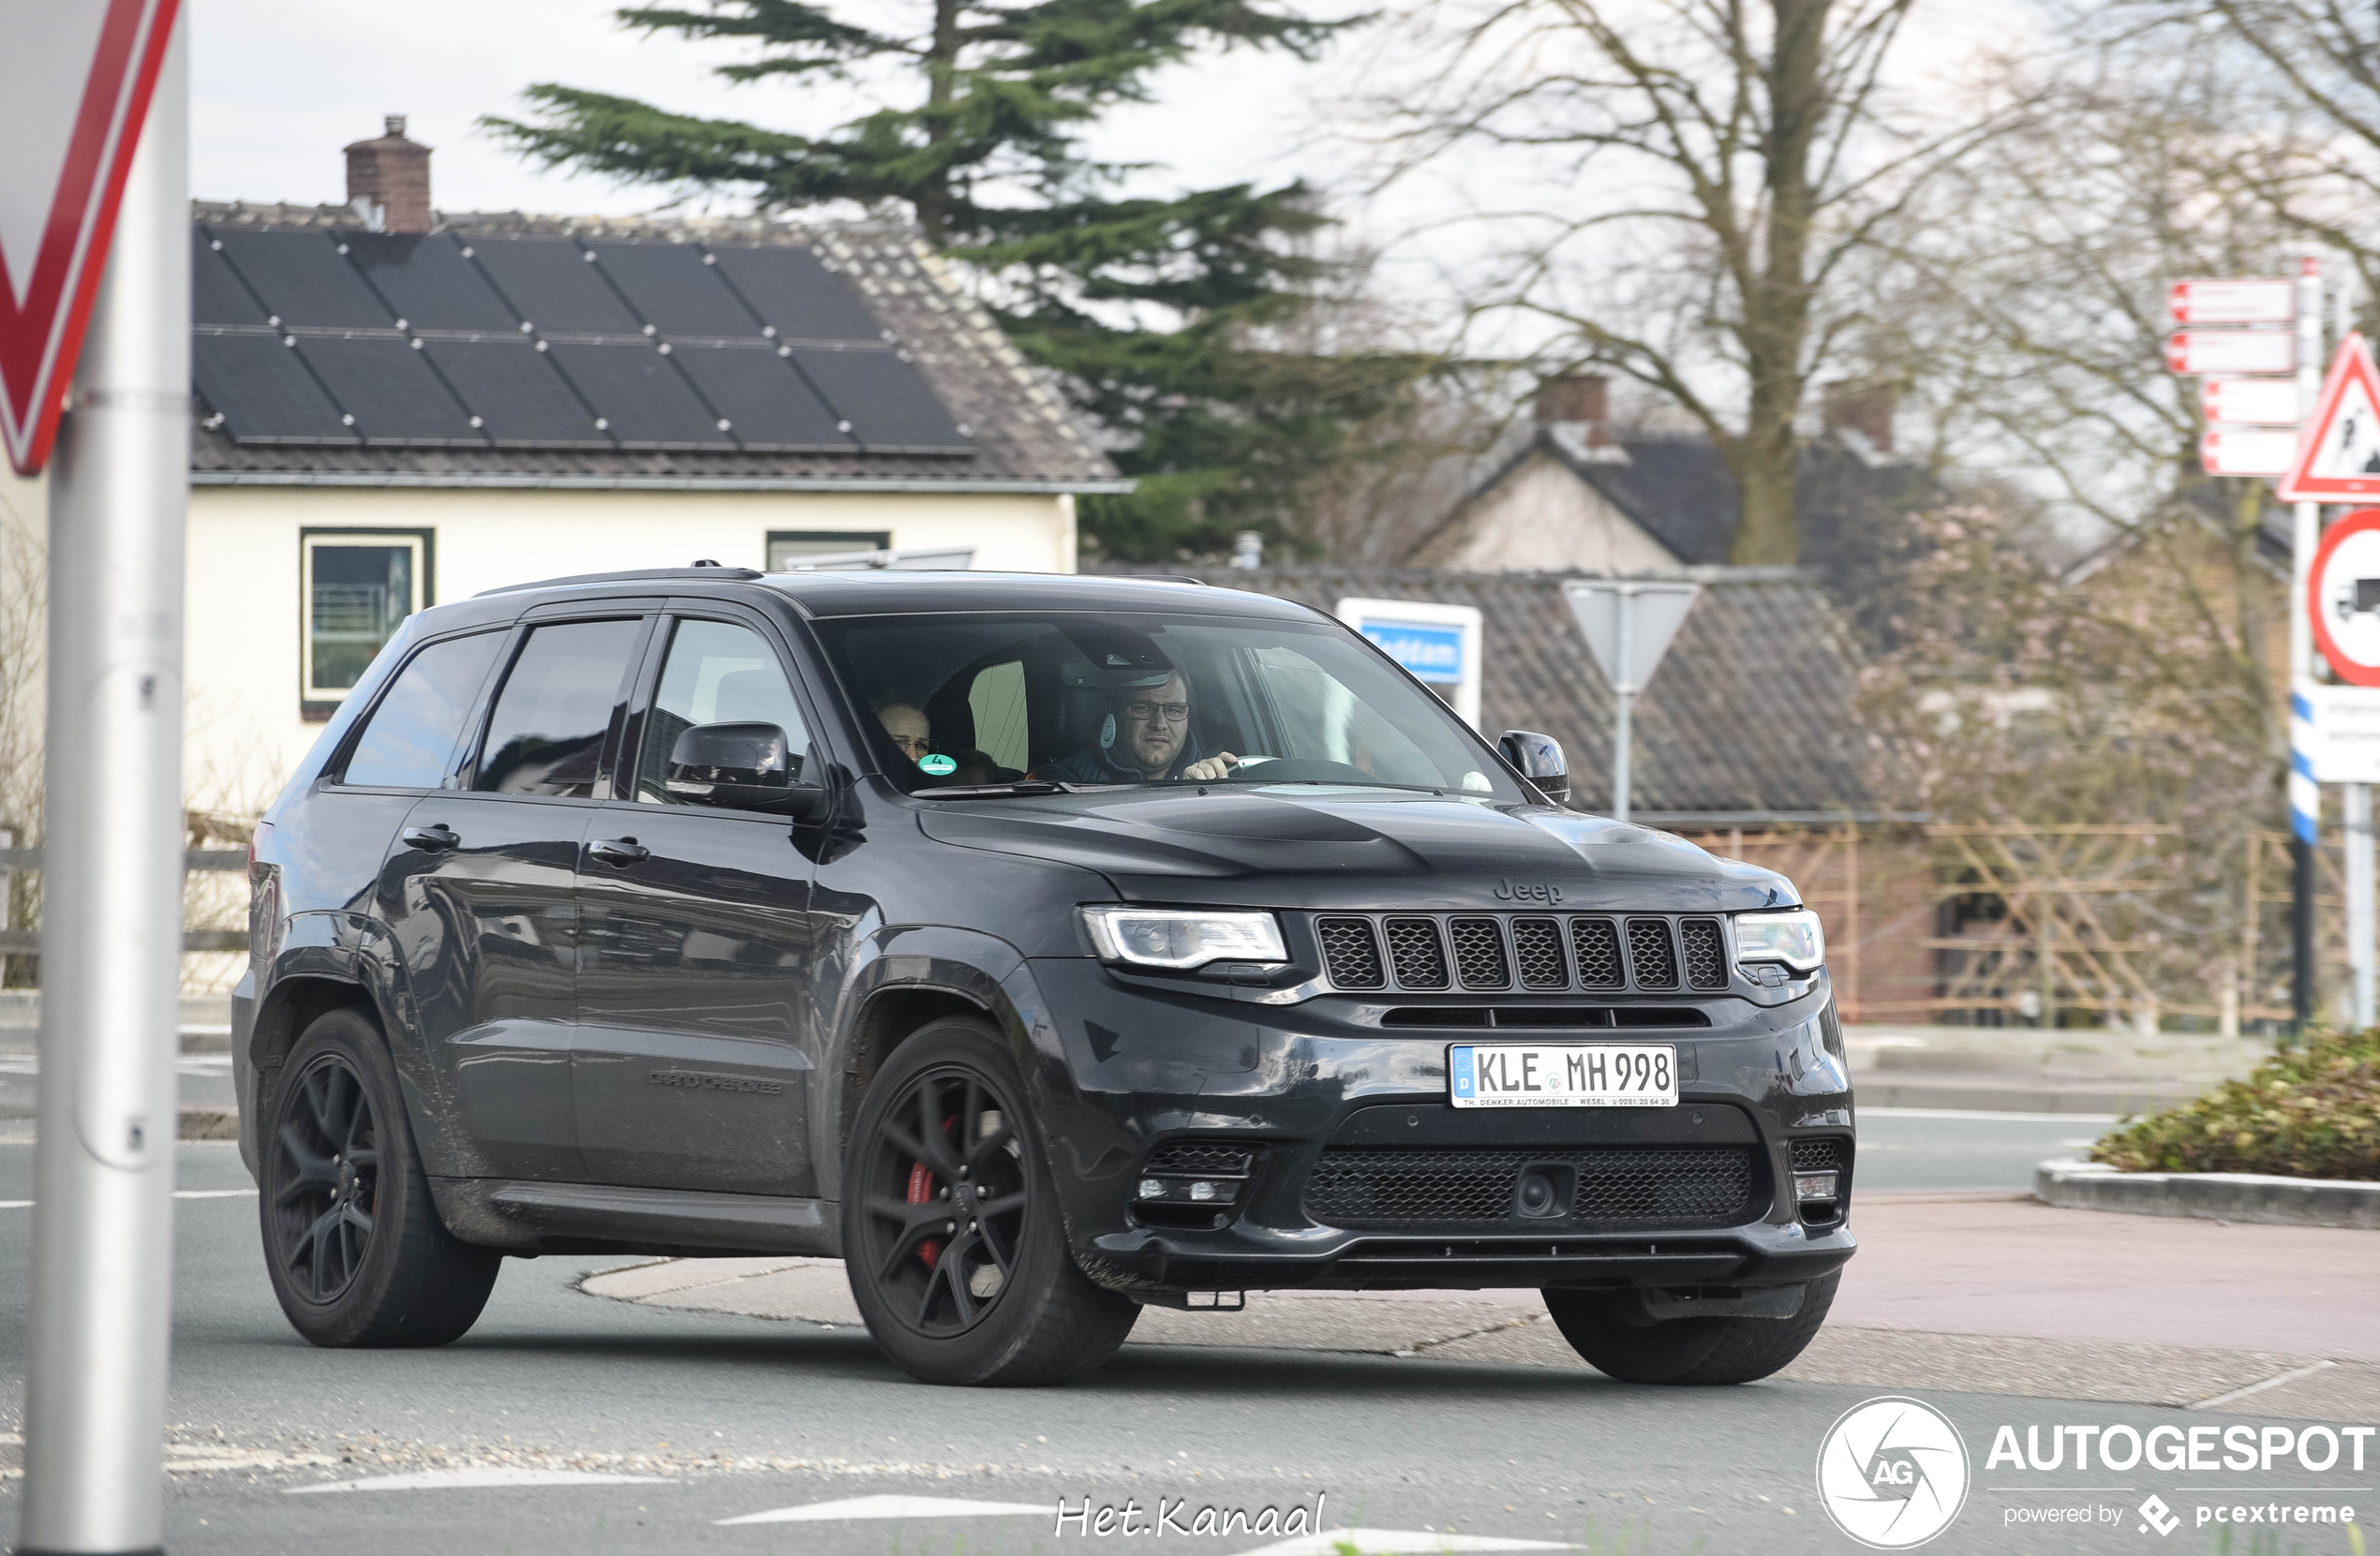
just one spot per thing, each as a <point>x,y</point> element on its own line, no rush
<point>356,1250</point>
<point>953,1238</point>
<point>1686,1350</point>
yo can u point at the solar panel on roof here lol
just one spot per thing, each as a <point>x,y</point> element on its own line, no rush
<point>389,389</point>
<point>795,294</point>
<point>303,279</point>
<point>516,391</point>
<point>640,394</point>
<point>758,391</point>
<point>548,282</point>
<point>216,296</point>
<point>263,391</point>
<point>884,398</point>
<point>427,282</point>
<point>674,291</point>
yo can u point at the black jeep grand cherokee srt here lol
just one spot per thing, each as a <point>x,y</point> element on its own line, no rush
<point>1042,946</point>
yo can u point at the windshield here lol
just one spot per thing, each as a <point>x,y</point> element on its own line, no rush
<point>1112,698</point>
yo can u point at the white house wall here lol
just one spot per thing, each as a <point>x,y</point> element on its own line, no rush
<point>244,733</point>
<point>1542,518</point>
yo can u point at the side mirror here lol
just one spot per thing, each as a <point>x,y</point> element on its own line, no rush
<point>741,766</point>
<point>1539,758</point>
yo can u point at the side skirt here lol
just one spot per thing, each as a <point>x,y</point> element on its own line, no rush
<point>523,1216</point>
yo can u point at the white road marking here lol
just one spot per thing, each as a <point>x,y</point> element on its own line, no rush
<point>1397,1542</point>
<point>1980,1112</point>
<point>16,1204</point>
<point>454,1480</point>
<point>178,1193</point>
<point>894,1507</point>
<point>2273,1382</point>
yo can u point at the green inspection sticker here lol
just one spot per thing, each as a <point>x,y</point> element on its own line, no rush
<point>938,765</point>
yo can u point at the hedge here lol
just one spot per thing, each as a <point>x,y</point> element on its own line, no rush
<point>2310,1111</point>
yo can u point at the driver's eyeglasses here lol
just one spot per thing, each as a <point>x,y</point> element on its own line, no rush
<point>1176,713</point>
<point>916,745</point>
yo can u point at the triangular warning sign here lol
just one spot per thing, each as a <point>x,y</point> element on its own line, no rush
<point>2338,451</point>
<point>75,80</point>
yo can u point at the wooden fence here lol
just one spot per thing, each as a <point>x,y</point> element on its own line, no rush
<point>27,942</point>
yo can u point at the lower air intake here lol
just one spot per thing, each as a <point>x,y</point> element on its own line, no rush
<point>1685,1187</point>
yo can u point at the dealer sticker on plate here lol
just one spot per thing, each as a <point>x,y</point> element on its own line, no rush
<point>1601,1075</point>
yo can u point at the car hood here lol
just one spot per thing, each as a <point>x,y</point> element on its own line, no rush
<point>1293,846</point>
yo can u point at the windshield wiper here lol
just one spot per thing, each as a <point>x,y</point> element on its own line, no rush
<point>994,790</point>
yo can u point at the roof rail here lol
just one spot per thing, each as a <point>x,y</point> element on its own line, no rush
<point>711,572</point>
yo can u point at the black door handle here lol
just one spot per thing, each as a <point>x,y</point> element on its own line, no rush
<point>619,850</point>
<point>435,838</point>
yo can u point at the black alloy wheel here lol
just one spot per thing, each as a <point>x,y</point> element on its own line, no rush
<point>953,1241</point>
<point>353,1240</point>
<point>945,1201</point>
<point>327,1172</point>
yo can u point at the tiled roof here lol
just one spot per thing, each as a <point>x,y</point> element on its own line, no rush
<point>1751,710</point>
<point>1023,433</point>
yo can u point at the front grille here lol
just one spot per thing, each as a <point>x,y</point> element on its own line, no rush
<point>1705,955</point>
<point>1537,945</point>
<point>1598,946</point>
<point>1196,1161</point>
<point>1479,952</point>
<point>1685,1186</point>
<point>1649,955</point>
<point>1350,952</point>
<point>1415,953</point>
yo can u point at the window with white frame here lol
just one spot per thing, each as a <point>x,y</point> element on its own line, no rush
<point>355,588</point>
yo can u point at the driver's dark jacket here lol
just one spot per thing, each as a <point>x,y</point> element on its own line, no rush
<point>1113,766</point>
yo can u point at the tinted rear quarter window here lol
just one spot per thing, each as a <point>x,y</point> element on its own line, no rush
<point>546,735</point>
<point>410,741</point>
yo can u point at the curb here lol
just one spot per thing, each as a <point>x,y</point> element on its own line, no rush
<point>2006,1094</point>
<point>202,1122</point>
<point>2256,1197</point>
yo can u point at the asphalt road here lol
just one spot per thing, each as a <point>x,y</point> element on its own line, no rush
<point>722,1417</point>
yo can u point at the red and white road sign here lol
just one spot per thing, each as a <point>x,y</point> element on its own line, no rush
<point>75,79</point>
<point>2343,597</point>
<point>2247,450</point>
<point>2238,301</point>
<point>2267,402</point>
<point>2337,456</point>
<point>2232,352</point>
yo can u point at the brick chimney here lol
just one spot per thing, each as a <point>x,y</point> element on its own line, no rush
<point>1582,399</point>
<point>388,180</point>
<point>1865,407</point>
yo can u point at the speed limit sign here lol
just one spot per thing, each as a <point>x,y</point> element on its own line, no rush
<point>2343,597</point>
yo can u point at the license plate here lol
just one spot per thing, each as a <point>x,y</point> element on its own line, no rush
<point>1533,1075</point>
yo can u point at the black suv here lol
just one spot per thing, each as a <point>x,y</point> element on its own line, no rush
<point>1042,946</point>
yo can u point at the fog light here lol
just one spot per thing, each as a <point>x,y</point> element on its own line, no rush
<point>1202,1191</point>
<point>1190,1190</point>
<point>1813,1186</point>
<point>1152,1189</point>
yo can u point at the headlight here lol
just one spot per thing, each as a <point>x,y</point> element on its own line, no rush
<point>1181,937</point>
<point>1793,936</point>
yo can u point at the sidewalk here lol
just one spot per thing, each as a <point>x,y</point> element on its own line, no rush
<point>1992,1294</point>
<point>2027,1070</point>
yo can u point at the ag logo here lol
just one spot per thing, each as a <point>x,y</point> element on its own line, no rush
<point>1892,1473</point>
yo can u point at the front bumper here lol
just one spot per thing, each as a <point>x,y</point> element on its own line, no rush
<point>1132,1066</point>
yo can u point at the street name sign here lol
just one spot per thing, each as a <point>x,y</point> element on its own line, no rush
<point>2195,351</point>
<point>2236,301</point>
<point>2343,597</point>
<point>2235,451</point>
<point>2338,458</point>
<point>75,80</point>
<point>2267,402</point>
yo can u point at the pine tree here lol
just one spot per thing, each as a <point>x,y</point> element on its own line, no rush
<point>1154,309</point>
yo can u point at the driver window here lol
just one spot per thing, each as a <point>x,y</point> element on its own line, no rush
<point>1322,718</point>
<point>717,673</point>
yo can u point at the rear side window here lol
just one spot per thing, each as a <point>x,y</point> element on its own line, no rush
<point>410,741</point>
<point>546,735</point>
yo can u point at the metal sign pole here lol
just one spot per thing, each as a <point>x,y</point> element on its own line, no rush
<point>2357,832</point>
<point>1624,698</point>
<point>111,883</point>
<point>2305,795</point>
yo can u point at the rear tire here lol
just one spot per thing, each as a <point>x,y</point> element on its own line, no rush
<point>953,1238</point>
<point>354,1246</point>
<point>1690,1351</point>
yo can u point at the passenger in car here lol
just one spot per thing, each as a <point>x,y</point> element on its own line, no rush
<point>912,734</point>
<point>1146,738</point>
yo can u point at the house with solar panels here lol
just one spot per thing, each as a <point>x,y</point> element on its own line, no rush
<point>394,407</point>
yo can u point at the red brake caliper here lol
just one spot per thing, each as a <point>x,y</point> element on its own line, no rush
<point>921,1189</point>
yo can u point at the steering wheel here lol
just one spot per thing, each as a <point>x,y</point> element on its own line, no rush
<point>1302,770</point>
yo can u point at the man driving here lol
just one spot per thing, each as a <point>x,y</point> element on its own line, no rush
<point>1145,739</point>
